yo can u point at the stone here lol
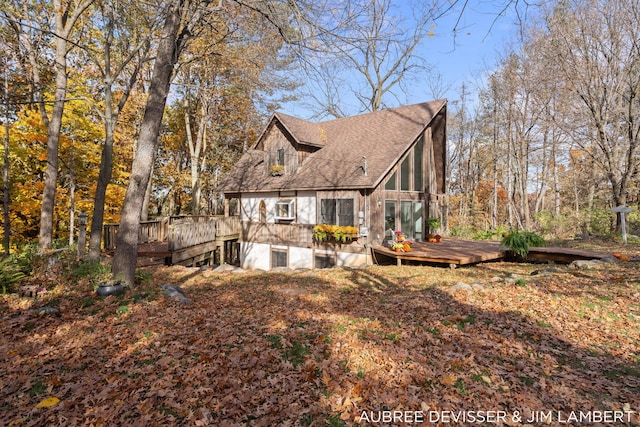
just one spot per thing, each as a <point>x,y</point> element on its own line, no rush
<point>46,310</point>
<point>461,286</point>
<point>585,264</point>
<point>545,272</point>
<point>477,286</point>
<point>238,270</point>
<point>224,268</point>
<point>177,293</point>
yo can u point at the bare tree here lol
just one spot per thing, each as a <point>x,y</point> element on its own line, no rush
<point>597,54</point>
<point>372,58</point>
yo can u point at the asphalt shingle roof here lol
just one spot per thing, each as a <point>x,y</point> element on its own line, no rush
<point>382,137</point>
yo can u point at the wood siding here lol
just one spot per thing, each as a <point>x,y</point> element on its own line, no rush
<point>300,235</point>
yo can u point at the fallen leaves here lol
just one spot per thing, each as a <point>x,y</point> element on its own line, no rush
<point>316,348</point>
<point>48,402</point>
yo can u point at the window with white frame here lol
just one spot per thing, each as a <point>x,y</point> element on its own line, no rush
<point>285,209</point>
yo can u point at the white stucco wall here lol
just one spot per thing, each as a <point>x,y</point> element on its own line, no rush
<point>306,208</point>
<point>255,256</point>
<point>250,206</point>
<point>300,257</point>
<point>347,259</point>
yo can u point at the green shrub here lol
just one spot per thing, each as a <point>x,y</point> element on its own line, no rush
<point>143,277</point>
<point>10,274</point>
<point>519,242</point>
<point>24,257</point>
<point>461,231</point>
<point>94,272</point>
<point>490,234</point>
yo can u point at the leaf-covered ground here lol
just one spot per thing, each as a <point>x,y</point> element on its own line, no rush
<point>320,347</point>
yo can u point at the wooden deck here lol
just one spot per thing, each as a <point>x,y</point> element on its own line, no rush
<point>449,251</point>
<point>188,240</point>
<point>567,255</point>
<point>461,252</point>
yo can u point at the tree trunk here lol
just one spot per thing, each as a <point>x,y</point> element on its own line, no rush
<point>144,213</point>
<point>124,261</point>
<point>64,23</point>
<point>104,177</point>
<point>53,138</point>
<point>6,243</point>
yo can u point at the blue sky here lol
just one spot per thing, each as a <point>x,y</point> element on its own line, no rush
<point>464,57</point>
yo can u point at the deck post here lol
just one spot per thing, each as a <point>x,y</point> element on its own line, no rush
<point>222,258</point>
<point>398,261</point>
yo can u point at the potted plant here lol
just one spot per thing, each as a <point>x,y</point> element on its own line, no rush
<point>400,236</point>
<point>432,225</point>
<point>276,170</point>
<point>398,247</point>
<point>337,233</point>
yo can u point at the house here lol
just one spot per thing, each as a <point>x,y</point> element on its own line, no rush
<point>377,172</point>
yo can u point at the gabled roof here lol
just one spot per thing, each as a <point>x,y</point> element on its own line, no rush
<point>380,139</point>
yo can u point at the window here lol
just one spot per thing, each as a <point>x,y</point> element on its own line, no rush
<point>323,261</point>
<point>285,209</point>
<point>336,211</point>
<point>278,258</point>
<point>389,218</point>
<point>280,157</point>
<point>262,211</point>
<point>417,220</point>
<point>418,169</point>
<point>405,175</point>
<point>391,184</point>
<point>411,219</point>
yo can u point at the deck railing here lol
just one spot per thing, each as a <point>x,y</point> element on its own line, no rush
<point>187,234</point>
<point>228,226</point>
<point>179,231</point>
<point>150,231</point>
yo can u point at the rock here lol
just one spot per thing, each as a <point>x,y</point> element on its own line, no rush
<point>545,272</point>
<point>238,270</point>
<point>224,267</point>
<point>495,279</point>
<point>585,264</point>
<point>280,269</point>
<point>46,310</point>
<point>477,286</point>
<point>461,286</point>
<point>177,293</point>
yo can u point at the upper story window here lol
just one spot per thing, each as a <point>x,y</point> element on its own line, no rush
<point>391,183</point>
<point>280,157</point>
<point>262,211</point>
<point>409,176</point>
<point>337,211</point>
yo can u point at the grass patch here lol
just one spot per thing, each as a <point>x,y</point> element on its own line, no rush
<point>296,354</point>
